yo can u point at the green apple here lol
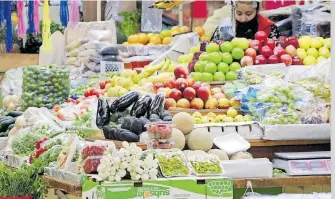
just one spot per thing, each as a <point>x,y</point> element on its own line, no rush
<point>204,57</point>
<point>301,53</point>
<point>316,43</point>
<point>231,75</point>
<point>324,52</point>
<point>196,76</point>
<point>227,58</point>
<point>248,118</point>
<point>226,47</point>
<point>223,67</point>
<point>207,77</point>
<point>215,57</point>
<point>327,43</point>
<point>237,53</point>
<point>313,52</point>
<point>195,49</point>
<point>234,66</point>
<point>200,66</point>
<point>212,47</point>
<point>210,68</point>
<point>309,60</point>
<point>321,59</point>
<point>219,76</point>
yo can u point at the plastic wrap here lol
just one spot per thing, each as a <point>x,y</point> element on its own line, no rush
<point>172,163</point>
<point>137,50</point>
<point>151,19</point>
<point>206,165</point>
<point>160,130</point>
<point>45,86</point>
<point>281,115</point>
<point>12,82</point>
<point>103,114</point>
<point>311,21</point>
<point>63,175</point>
<point>90,165</point>
<point>110,50</point>
<point>226,30</point>
<point>315,114</point>
<point>76,43</point>
<point>70,154</point>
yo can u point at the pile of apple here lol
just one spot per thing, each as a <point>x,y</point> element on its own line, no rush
<point>313,50</point>
<point>183,92</point>
<point>231,116</point>
<point>218,62</point>
<point>263,50</point>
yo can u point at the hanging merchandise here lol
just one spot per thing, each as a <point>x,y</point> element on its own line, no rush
<point>74,14</point>
<point>46,45</point>
<point>21,32</point>
<point>37,16</point>
<point>8,18</point>
<point>31,25</point>
<point>64,12</point>
<point>166,4</point>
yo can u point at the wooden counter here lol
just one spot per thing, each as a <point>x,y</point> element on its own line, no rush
<point>13,60</point>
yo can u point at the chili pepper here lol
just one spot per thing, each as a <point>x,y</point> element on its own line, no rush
<point>39,142</point>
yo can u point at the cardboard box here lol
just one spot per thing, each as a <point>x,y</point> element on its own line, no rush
<point>164,188</point>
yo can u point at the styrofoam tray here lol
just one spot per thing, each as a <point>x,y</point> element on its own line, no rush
<point>303,155</point>
<point>297,132</point>
<point>231,143</point>
<point>249,168</point>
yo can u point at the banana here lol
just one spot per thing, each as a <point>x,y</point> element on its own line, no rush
<point>167,64</point>
<point>167,4</point>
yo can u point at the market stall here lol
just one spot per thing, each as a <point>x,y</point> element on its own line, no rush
<point>167,114</point>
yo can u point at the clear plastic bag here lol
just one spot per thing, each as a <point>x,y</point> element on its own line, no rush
<point>57,140</point>
<point>172,163</point>
<point>318,114</point>
<point>45,86</point>
<point>76,43</point>
<point>226,30</point>
<point>151,19</point>
<point>92,150</point>
<point>12,82</point>
<point>206,165</point>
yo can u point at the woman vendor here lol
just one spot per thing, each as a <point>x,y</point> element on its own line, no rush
<point>244,16</point>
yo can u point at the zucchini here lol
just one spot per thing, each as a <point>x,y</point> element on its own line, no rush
<point>14,113</point>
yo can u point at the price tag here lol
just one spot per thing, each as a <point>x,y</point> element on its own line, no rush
<point>309,166</point>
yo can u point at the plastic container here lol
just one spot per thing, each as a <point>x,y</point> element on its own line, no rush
<point>231,143</point>
<point>160,144</point>
<point>90,165</point>
<point>159,130</point>
<point>172,163</point>
<point>205,165</point>
<point>110,66</point>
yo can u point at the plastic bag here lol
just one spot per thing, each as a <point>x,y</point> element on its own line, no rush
<point>206,165</point>
<point>172,163</point>
<point>97,59</point>
<point>151,19</point>
<point>71,61</point>
<point>103,114</point>
<point>74,52</point>
<point>281,115</point>
<point>110,50</point>
<point>315,114</point>
<point>311,21</point>
<point>88,53</point>
<point>76,43</point>
<point>12,82</point>
<point>45,86</point>
<point>225,31</point>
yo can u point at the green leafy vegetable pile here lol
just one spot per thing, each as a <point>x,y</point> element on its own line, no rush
<point>131,23</point>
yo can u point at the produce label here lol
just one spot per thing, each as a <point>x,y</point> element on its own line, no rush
<point>187,188</point>
<point>309,166</point>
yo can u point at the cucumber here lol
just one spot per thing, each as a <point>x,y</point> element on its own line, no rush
<point>15,113</point>
<point>5,124</point>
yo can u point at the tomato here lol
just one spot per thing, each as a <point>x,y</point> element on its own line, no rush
<point>60,116</point>
<point>56,108</point>
<point>95,93</point>
<point>87,93</point>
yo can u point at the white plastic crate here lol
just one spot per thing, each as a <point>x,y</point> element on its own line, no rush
<point>111,66</point>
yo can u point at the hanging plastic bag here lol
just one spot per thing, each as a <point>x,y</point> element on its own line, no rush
<point>225,31</point>
<point>151,19</point>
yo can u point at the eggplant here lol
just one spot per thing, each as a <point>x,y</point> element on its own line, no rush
<point>126,100</point>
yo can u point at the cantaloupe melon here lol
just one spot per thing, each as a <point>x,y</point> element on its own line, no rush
<point>221,154</point>
<point>179,138</point>
<point>200,139</point>
<point>184,122</point>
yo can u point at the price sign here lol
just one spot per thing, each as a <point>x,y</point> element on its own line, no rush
<point>309,166</point>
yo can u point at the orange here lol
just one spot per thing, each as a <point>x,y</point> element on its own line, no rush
<point>167,40</point>
<point>205,38</point>
<point>184,29</point>
<point>133,39</point>
<point>165,33</point>
<point>150,35</point>
<point>175,32</point>
<point>200,30</point>
<point>143,38</point>
<point>155,40</point>
<point>175,28</point>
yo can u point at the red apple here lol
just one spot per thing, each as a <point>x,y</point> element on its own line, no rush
<point>255,44</point>
<point>261,36</point>
<point>191,65</point>
<point>196,86</point>
<point>291,50</point>
<point>158,86</point>
<point>293,41</point>
<point>278,51</point>
<point>266,51</point>
<point>286,59</point>
<point>180,72</point>
<point>203,93</point>
<point>189,93</point>
<point>251,53</point>
<point>169,102</point>
<point>170,82</point>
<point>181,84</point>
<point>197,103</point>
<point>273,59</point>
<point>282,41</point>
<point>183,103</point>
<point>190,82</point>
<point>247,61</point>
<point>175,94</point>
<point>296,61</point>
<point>271,43</point>
<point>260,59</point>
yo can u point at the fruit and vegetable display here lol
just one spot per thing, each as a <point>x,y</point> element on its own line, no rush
<point>164,37</point>
<point>45,86</point>
<point>214,62</point>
